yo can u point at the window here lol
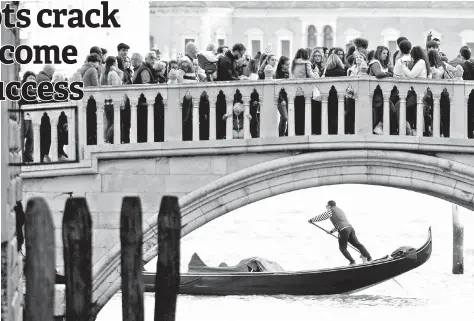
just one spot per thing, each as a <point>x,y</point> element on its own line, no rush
<point>255,40</point>
<point>256,47</point>
<point>152,40</point>
<point>220,42</point>
<point>392,46</point>
<point>312,38</point>
<point>285,41</point>
<point>467,39</point>
<point>390,35</point>
<point>285,48</point>
<point>470,45</point>
<point>328,37</point>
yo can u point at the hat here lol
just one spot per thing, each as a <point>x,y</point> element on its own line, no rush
<point>96,50</point>
<point>122,46</point>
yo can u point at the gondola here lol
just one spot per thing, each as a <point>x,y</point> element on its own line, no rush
<point>257,276</point>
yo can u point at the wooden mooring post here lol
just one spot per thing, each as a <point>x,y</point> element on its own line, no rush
<point>167,266</point>
<point>458,240</point>
<point>40,262</point>
<point>131,238</point>
<point>77,241</point>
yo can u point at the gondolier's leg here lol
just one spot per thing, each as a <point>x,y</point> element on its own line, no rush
<point>343,239</point>
<point>355,242</point>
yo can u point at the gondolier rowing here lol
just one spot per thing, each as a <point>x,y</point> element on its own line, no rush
<point>346,231</point>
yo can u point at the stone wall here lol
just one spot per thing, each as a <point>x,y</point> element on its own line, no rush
<point>149,178</point>
<point>12,270</point>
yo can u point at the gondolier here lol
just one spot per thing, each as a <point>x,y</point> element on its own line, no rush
<point>345,229</point>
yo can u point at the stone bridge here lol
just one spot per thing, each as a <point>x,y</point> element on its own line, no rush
<point>215,176</point>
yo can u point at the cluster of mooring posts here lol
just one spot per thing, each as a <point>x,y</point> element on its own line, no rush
<point>77,238</point>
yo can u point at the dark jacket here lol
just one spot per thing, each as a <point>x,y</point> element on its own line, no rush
<point>468,67</point>
<point>335,72</point>
<point>144,68</point>
<point>226,68</point>
<point>89,74</point>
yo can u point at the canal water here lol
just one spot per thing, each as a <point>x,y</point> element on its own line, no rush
<point>277,229</point>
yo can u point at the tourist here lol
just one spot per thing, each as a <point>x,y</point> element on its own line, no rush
<point>271,60</point>
<point>360,67</point>
<point>301,66</point>
<point>253,69</point>
<point>112,76</point>
<point>421,66</point>
<point>46,74</point>
<point>403,58</point>
<point>89,71</point>
<point>122,50</point>
<point>283,68</point>
<point>63,135</point>
<point>334,67</point>
<point>186,73</point>
<point>468,65</point>
<point>226,66</point>
<point>459,60</point>
<point>98,51</point>
<point>379,65</point>
<point>360,43</point>
<point>127,73</point>
<point>398,53</point>
<point>136,61</point>
<point>173,76</point>
<point>317,61</point>
<point>347,233</point>
<point>145,74</point>
<point>440,69</point>
<point>237,120</point>
<point>160,68</point>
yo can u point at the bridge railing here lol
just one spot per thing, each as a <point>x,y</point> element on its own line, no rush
<point>170,113</point>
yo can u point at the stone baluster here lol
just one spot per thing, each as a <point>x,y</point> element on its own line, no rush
<point>268,112</point>
<point>82,129</point>
<point>36,143</point>
<point>436,115</point>
<point>150,135</point>
<point>229,120</point>
<point>100,122</point>
<point>340,114</point>
<point>246,119</point>
<point>117,123</point>
<point>196,119</point>
<point>402,128</point>
<point>458,102</point>
<point>53,151</point>
<point>324,114</point>
<point>212,119</point>
<point>133,120</point>
<point>386,113</point>
<point>420,120</point>
<point>71,122</point>
<point>291,116</point>
<point>307,115</point>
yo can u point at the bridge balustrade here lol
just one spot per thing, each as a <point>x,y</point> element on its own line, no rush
<point>170,113</point>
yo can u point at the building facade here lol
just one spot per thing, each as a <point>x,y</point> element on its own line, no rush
<point>287,26</point>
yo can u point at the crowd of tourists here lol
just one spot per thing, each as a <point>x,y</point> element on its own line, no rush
<point>234,64</point>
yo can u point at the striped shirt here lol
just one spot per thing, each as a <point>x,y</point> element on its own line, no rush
<point>339,223</point>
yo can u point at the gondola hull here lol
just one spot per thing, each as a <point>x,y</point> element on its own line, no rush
<point>347,279</point>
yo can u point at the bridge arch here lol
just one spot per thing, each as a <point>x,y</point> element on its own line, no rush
<point>438,177</point>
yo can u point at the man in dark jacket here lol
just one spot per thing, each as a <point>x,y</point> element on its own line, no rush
<point>468,65</point>
<point>226,65</point>
<point>145,74</point>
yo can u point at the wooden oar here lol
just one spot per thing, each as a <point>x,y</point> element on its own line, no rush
<point>347,244</point>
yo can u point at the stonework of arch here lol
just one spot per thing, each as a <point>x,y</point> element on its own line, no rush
<point>442,178</point>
